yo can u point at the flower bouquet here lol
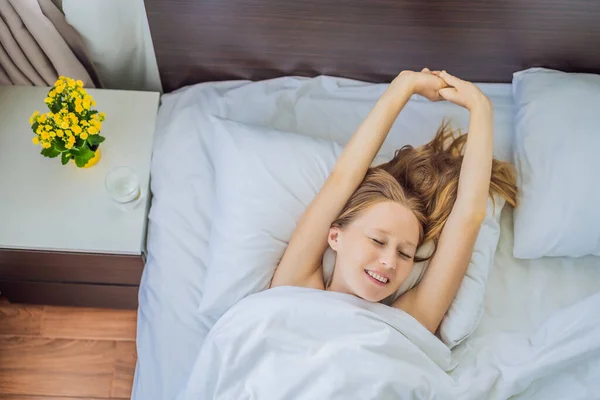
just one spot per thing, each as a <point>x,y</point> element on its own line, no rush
<point>71,128</point>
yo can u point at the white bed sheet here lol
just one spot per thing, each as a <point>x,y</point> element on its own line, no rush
<point>521,293</point>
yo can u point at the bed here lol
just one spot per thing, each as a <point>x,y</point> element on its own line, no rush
<point>242,61</point>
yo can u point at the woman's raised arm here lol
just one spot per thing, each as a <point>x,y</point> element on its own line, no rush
<point>429,301</point>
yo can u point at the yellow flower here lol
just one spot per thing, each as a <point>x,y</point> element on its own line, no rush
<point>69,145</point>
<point>48,100</point>
<point>33,117</point>
<point>93,102</point>
<point>51,93</point>
<point>46,145</point>
<point>47,127</point>
<point>84,123</point>
<point>60,87</point>
<point>71,82</point>
<point>60,132</point>
<point>92,130</point>
<point>44,135</point>
<point>79,83</point>
<point>76,130</point>
<point>69,134</point>
<point>42,119</point>
<point>65,125</point>
<point>84,135</point>
<point>86,104</point>
<point>78,108</point>
<point>39,130</point>
<point>35,140</point>
<point>102,116</point>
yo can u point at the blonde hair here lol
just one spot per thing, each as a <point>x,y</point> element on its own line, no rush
<point>425,179</point>
<point>377,186</point>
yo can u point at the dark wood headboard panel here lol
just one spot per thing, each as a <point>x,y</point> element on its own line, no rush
<point>371,40</point>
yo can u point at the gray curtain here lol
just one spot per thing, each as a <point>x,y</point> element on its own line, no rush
<point>37,45</point>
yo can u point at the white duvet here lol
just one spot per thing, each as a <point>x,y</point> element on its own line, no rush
<point>297,343</point>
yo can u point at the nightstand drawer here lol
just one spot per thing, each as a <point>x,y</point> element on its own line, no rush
<point>70,294</point>
<point>54,266</point>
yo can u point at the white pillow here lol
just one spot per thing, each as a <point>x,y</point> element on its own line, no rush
<point>264,181</point>
<point>557,156</point>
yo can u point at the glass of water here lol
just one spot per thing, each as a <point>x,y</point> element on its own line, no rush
<point>124,188</point>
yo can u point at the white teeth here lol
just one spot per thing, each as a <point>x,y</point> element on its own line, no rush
<point>377,276</point>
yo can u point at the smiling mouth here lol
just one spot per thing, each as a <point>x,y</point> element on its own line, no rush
<point>376,278</point>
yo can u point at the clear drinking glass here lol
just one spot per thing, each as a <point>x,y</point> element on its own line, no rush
<point>123,187</point>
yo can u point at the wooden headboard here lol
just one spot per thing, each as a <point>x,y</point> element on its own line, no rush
<point>372,40</point>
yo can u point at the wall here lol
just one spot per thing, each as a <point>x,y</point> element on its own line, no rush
<point>117,35</point>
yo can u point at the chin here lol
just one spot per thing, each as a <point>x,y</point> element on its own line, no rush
<point>372,297</point>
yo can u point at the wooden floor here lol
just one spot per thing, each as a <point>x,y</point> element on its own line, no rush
<point>61,353</point>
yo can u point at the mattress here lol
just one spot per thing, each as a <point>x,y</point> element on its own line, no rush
<point>521,294</point>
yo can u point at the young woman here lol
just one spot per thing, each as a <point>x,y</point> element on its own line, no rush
<point>375,219</point>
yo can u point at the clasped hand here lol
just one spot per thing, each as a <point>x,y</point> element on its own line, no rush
<point>440,85</point>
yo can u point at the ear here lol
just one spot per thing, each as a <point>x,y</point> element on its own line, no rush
<point>333,237</point>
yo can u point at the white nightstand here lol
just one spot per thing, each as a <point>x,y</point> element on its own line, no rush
<point>62,239</point>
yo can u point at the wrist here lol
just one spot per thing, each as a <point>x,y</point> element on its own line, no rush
<point>406,81</point>
<point>482,105</point>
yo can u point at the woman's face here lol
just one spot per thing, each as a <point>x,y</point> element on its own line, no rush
<point>375,252</point>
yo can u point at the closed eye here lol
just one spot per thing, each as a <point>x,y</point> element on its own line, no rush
<point>400,253</point>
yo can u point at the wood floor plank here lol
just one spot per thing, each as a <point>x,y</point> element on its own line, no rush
<point>18,319</point>
<point>125,358</point>
<point>41,366</point>
<point>27,397</point>
<point>89,323</point>
<point>19,397</point>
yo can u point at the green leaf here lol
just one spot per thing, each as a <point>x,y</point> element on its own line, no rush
<point>35,126</point>
<point>54,107</point>
<point>92,112</point>
<point>65,157</point>
<point>86,153</point>
<point>95,139</point>
<point>60,145</point>
<point>50,152</point>
<point>78,151</point>
<point>80,162</point>
<point>82,155</point>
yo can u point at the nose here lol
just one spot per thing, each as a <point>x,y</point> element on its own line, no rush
<point>387,258</point>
